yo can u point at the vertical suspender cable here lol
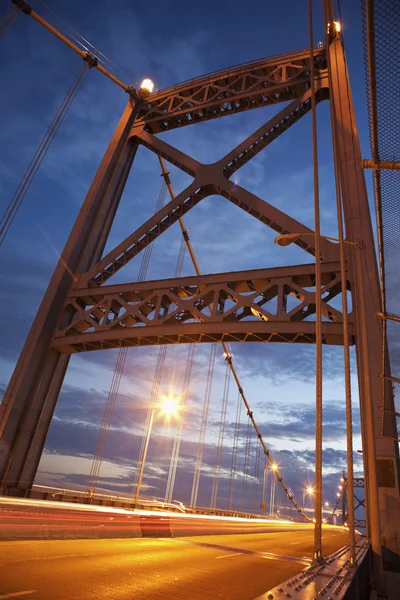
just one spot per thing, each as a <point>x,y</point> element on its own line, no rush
<point>318,328</point>
<point>246,465</point>
<point>217,468</point>
<point>185,390</point>
<point>203,427</point>
<point>178,435</point>
<point>256,477</point>
<point>346,338</point>
<point>235,450</point>
<point>229,359</point>
<point>105,425</point>
<point>161,353</point>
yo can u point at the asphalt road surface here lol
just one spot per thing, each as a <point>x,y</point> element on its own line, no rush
<point>234,567</point>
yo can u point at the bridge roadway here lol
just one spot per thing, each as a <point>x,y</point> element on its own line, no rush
<point>234,566</point>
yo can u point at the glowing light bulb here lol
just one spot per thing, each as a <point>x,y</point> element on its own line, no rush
<point>147,86</point>
<point>169,405</point>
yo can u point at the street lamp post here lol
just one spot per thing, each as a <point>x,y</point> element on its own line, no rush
<point>274,468</point>
<point>308,491</point>
<point>265,487</point>
<point>371,476</point>
<point>146,446</point>
<point>168,406</point>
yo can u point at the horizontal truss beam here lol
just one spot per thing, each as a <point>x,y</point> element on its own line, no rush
<point>261,305</point>
<point>252,85</point>
<point>303,333</point>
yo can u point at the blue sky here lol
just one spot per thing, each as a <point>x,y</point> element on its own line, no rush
<point>168,42</point>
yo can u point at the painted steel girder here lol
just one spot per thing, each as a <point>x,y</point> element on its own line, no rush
<point>244,87</point>
<point>210,180</point>
<point>245,151</point>
<point>290,333</point>
<point>268,214</point>
<point>228,306</point>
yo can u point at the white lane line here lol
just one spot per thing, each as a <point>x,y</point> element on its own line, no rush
<point>17,594</point>
<point>229,555</point>
<point>293,543</point>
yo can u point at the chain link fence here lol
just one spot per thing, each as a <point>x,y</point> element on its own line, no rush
<point>387,59</point>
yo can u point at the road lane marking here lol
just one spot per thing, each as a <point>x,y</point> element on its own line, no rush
<point>229,555</point>
<point>266,555</point>
<point>17,594</point>
<point>293,543</point>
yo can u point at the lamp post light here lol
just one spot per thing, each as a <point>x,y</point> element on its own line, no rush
<point>371,480</point>
<point>274,468</point>
<point>169,405</point>
<point>264,491</point>
<point>309,491</point>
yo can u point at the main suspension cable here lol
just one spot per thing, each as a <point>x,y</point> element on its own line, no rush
<point>91,59</point>
<point>84,43</point>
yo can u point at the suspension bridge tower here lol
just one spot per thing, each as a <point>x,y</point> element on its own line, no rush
<point>82,310</point>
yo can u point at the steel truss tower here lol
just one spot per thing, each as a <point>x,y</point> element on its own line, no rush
<point>79,312</point>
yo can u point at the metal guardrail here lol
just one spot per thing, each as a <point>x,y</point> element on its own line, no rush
<point>40,492</point>
<point>334,577</point>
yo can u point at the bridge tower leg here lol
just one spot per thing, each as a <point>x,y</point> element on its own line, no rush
<point>359,227</point>
<point>31,396</point>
